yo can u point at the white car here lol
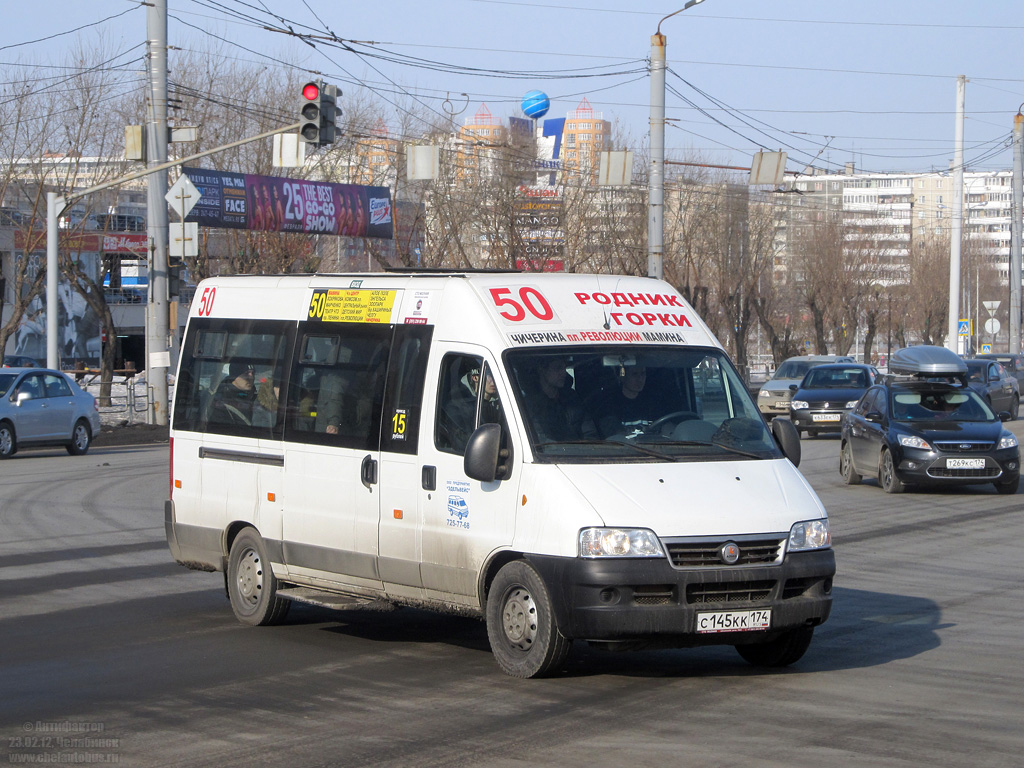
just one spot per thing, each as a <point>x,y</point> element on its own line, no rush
<point>39,406</point>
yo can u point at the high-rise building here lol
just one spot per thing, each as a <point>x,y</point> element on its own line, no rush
<point>587,134</point>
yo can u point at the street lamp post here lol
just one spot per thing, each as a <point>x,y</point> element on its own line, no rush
<point>656,178</point>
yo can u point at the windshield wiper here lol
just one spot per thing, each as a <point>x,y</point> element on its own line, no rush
<point>723,446</point>
<point>644,449</point>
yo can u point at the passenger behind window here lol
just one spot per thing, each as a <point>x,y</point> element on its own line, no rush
<point>330,402</point>
<point>264,410</point>
<point>558,413</point>
<point>233,401</point>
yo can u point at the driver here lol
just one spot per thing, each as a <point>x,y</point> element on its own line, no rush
<point>628,408</point>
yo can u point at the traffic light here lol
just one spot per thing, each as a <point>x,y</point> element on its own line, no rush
<point>309,113</point>
<point>328,114</point>
<point>318,113</point>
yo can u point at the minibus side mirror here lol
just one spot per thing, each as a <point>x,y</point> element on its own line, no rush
<point>484,459</point>
<point>788,439</point>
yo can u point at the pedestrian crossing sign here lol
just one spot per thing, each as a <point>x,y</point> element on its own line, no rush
<point>964,328</point>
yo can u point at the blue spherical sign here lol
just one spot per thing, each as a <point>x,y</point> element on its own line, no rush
<point>536,104</point>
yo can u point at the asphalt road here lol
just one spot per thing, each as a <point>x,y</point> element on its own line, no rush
<point>111,652</point>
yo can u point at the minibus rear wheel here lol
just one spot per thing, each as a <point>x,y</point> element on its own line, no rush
<point>252,586</point>
<point>521,623</point>
<point>784,650</point>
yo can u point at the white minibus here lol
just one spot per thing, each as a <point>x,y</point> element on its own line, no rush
<point>568,457</point>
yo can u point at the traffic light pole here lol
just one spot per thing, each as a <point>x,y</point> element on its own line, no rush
<point>57,205</point>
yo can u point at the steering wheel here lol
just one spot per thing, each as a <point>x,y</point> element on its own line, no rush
<point>671,418</point>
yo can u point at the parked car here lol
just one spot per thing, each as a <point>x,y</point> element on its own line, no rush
<point>39,406</point>
<point>826,393</point>
<point>774,396</point>
<point>1014,364</point>
<point>925,426</point>
<point>20,361</point>
<point>995,384</point>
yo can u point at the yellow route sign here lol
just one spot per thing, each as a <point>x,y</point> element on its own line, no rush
<point>350,305</point>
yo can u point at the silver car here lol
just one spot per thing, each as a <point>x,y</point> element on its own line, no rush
<point>775,394</point>
<point>44,407</point>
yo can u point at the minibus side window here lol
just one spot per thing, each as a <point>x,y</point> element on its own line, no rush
<point>407,372</point>
<point>467,396</point>
<point>231,377</point>
<point>456,402</point>
<point>337,385</point>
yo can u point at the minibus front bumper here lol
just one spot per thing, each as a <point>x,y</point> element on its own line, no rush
<point>618,599</point>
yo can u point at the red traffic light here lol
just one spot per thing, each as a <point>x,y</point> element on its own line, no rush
<point>310,91</point>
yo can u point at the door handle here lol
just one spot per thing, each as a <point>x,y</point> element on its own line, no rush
<point>368,471</point>
<point>428,478</point>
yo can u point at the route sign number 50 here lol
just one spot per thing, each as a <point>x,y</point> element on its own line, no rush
<point>530,300</point>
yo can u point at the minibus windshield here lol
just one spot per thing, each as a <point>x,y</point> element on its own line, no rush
<point>636,404</point>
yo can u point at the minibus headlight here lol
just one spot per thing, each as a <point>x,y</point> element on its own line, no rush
<point>810,534</point>
<point>619,542</point>
<point>799,405</point>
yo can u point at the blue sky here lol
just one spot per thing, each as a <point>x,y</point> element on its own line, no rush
<point>870,82</point>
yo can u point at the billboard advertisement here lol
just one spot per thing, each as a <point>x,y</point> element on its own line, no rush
<point>277,204</point>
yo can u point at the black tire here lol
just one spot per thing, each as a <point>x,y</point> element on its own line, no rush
<point>1014,408</point>
<point>252,586</point>
<point>8,440</point>
<point>521,623</point>
<point>1009,487</point>
<point>786,649</point>
<point>81,439</point>
<point>849,474</point>
<point>887,474</point>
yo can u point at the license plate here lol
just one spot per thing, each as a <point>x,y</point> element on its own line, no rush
<point>733,621</point>
<point>965,463</point>
<point>782,404</point>
<point>824,417</point>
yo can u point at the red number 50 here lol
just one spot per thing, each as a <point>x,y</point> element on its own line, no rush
<point>206,302</point>
<point>529,299</point>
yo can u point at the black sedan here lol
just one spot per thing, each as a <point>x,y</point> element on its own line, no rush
<point>1014,364</point>
<point>927,433</point>
<point>995,384</point>
<point>826,393</point>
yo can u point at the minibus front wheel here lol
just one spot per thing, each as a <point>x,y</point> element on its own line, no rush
<point>521,623</point>
<point>252,586</point>
<point>786,649</point>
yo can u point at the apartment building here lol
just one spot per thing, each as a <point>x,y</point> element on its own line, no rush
<point>586,135</point>
<point>890,211</point>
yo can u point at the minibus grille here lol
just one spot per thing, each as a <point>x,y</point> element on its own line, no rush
<point>733,592</point>
<point>653,594</point>
<point>707,553</point>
